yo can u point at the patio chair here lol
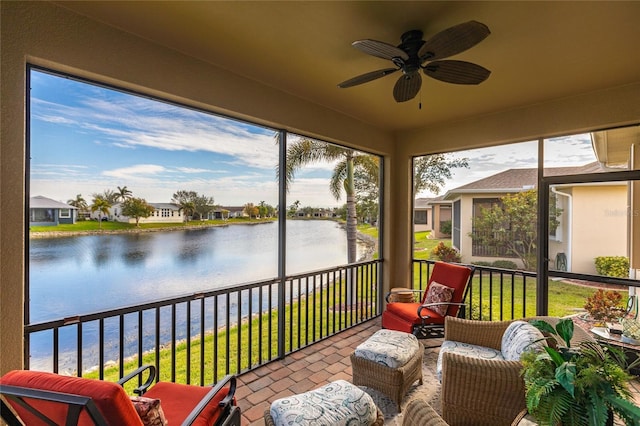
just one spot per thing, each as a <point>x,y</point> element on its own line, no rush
<point>444,296</point>
<point>481,385</point>
<point>41,398</point>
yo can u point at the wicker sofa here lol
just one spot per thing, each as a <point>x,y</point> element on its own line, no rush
<point>478,391</point>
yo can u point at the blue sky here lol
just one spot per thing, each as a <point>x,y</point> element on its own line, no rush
<point>86,139</point>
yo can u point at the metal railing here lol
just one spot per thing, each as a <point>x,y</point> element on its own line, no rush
<point>497,294</point>
<point>199,338</point>
<point>493,294</point>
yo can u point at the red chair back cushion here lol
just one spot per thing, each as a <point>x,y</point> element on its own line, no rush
<point>110,398</point>
<point>450,275</point>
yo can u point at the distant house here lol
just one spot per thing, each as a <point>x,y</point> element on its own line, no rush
<point>163,213</point>
<point>322,213</point>
<point>44,211</point>
<point>429,214</point>
<point>593,221</point>
<point>422,215</point>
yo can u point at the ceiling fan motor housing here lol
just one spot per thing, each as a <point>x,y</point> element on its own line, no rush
<point>411,44</point>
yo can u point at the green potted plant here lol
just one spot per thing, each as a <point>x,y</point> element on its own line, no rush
<point>576,386</point>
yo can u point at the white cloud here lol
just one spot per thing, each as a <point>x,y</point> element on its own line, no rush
<point>137,122</point>
<point>195,170</point>
<point>133,172</point>
<point>483,162</point>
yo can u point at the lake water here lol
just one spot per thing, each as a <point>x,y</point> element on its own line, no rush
<point>83,274</point>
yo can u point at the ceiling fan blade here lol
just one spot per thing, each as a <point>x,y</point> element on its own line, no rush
<point>456,72</point>
<point>407,87</point>
<point>380,49</point>
<point>364,78</point>
<point>453,40</point>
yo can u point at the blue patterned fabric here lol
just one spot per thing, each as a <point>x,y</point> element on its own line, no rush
<point>338,403</point>
<point>519,337</point>
<point>389,347</point>
<point>465,349</point>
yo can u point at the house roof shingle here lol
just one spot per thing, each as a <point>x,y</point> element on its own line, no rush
<point>40,202</point>
<point>514,180</point>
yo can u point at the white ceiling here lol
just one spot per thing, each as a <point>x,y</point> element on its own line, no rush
<point>537,51</point>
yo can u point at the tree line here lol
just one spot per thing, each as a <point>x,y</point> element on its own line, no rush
<point>194,206</point>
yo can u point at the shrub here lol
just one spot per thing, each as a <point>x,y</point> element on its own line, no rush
<point>482,263</point>
<point>613,266</point>
<point>504,264</point>
<point>445,253</point>
<point>605,305</point>
<point>445,227</point>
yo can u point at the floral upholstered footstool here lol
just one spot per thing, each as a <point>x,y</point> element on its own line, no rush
<point>337,403</point>
<point>389,361</point>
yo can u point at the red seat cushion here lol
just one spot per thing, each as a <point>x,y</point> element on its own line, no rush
<point>110,399</point>
<point>177,402</point>
<point>409,313</point>
<point>392,322</point>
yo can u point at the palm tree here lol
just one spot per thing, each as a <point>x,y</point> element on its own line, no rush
<point>123,194</point>
<point>102,206</point>
<point>187,208</point>
<point>80,203</point>
<point>185,200</point>
<point>306,151</point>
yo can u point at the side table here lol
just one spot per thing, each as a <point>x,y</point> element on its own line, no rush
<point>601,334</point>
<point>401,295</point>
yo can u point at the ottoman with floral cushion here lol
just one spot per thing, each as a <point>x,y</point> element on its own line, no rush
<point>389,361</point>
<point>337,403</point>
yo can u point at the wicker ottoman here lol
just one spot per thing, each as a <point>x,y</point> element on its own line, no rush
<point>389,361</point>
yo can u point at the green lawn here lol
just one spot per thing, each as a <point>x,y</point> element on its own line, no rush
<point>564,298</point>
<point>304,324</point>
<point>307,323</point>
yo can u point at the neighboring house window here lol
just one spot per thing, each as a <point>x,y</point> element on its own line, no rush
<point>65,213</point>
<point>42,215</point>
<point>420,217</point>
<point>478,248</point>
<point>481,204</point>
<point>554,231</point>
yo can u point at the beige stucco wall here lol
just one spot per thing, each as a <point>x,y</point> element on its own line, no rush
<point>43,34</point>
<point>599,225</point>
<point>634,213</point>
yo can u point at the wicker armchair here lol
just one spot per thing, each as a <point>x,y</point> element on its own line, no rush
<point>420,413</point>
<point>484,391</point>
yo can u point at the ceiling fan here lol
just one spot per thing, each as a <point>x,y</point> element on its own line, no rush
<point>415,54</point>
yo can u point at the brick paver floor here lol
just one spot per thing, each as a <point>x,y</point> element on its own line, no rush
<point>309,368</point>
